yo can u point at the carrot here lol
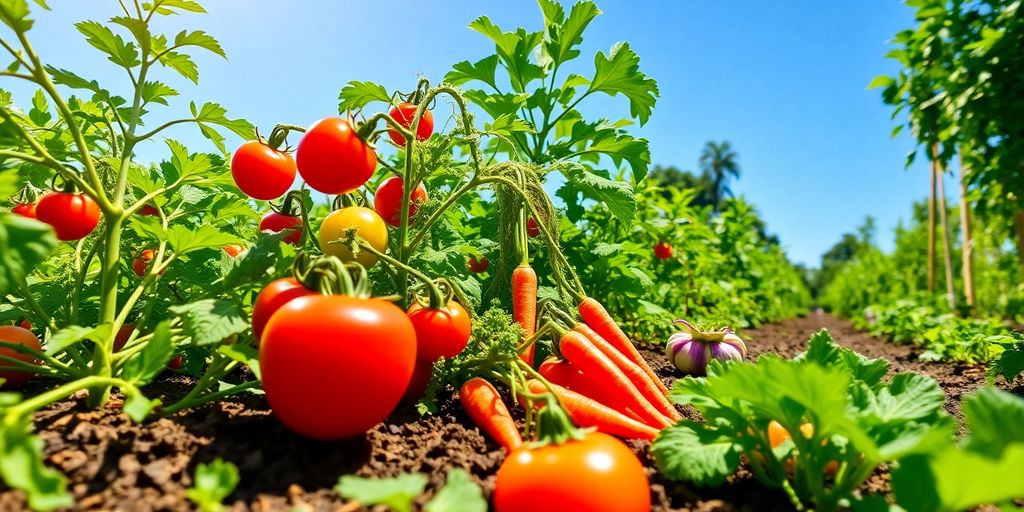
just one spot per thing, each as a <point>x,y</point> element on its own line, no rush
<point>598,319</point>
<point>633,373</point>
<point>524,304</point>
<point>563,373</point>
<point>584,355</point>
<point>484,406</point>
<point>587,412</point>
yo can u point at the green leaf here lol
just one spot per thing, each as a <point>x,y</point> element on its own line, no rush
<point>14,14</point>
<point>507,124</point>
<point>910,396</point>
<point>21,466</point>
<point>483,70</point>
<point>562,38</point>
<point>213,483</point>
<point>989,412</point>
<point>397,493</point>
<point>137,27</point>
<point>356,95</point>
<point>73,334</point>
<point>157,92</point>
<point>212,113</point>
<point>69,79</point>
<point>210,321</point>
<point>39,113</point>
<point>619,72</point>
<point>105,40</point>
<point>185,239</point>
<point>245,354</point>
<point>168,7</point>
<point>617,195</point>
<point>823,350</point>
<point>691,451</point>
<point>143,366</point>
<point>253,265</point>
<point>954,479</point>
<point>200,39</point>
<point>881,81</point>
<point>182,64</point>
<point>1010,363</point>
<point>137,406</point>
<point>514,50</point>
<point>24,243</point>
<point>459,494</point>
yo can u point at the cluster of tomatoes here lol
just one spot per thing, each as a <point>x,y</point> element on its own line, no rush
<point>366,352</point>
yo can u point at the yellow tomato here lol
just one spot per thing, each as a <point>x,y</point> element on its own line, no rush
<point>367,224</point>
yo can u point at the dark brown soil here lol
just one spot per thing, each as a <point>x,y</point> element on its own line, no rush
<point>114,464</point>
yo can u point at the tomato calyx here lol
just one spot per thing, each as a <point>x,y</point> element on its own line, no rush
<point>554,425</point>
<point>329,276</point>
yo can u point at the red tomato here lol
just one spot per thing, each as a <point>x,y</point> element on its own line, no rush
<point>175,363</point>
<point>15,334</point>
<point>276,222</point>
<point>25,324</point>
<point>388,200</point>
<point>478,266</point>
<point>421,374</point>
<point>440,332</point>
<point>278,293</point>
<point>149,210</point>
<point>233,250</point>
<point>532,228</point>
<point>25,210</point>
<point>141,263</point>
<point>597,474</point>
<point>333,159</point>
<point>73,216</point>
<point>261,171</point>
<point>335,366</point>
<point>663,251</point>
<point>122,336</point>
<point>404,113</point>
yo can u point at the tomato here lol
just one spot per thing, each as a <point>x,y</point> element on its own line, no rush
<point>276,294</point>
<point>24,337</point>
<point>333,159</point>
<point>532,228</point>
<point>176,363</point>
<point>777,434</point>
<point>233,250</point>
<point>388,200</point>
<point>261,171</point>
<point>277,222</point>
<point>149,210</point>
<point>597,474</point>
<point>334,366</point>
<point>663,251</point>
<point>122,336</point>
<point>478,266</point>
<point>141,263</point>
<point>25,210</point>
<point>440,332</point>
<point>25,324</point>
<point>73,216</point>
<point>369,226</point>
<point>421,374</point>
<point>404,113</point>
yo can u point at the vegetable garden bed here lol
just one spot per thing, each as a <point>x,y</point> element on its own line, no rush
<point>112,462</point>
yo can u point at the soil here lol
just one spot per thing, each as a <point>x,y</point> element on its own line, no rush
<point>114,464</point>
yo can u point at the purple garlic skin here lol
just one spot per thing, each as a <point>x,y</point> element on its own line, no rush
<point>691,355</point>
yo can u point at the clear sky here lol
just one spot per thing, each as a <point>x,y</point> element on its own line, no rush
<point>783,81</point>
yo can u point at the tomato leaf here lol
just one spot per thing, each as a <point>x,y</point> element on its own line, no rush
<point>514,50</point>
<point>617,195</point>
<point>483,70</point>
<point>14,14</point>
<point>356,95</point>
<point>822,349</point>
<point>257,260</point>
<point>459,494</point>
<point>24,243</point>
<point>563,35</point>
<point>137,406</point>
<point>199,39</point>
<point>74,334</point>
<point>397,493</point>
<point>143,366</point>
<point>213,483</point>
<point>210,321</point>
<point>245,354</point>
<point>157,92</point>
<point>21,465</point>
<point>691,451</point>
<point>169,7</point>
<point>185,239</point>
<point>212,113</point>
<point>507,124</point>
<point>619,72</point>
<point>118,51</point>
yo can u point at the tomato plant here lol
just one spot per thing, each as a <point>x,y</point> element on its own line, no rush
<point>25,210</point>
<point>276,222</point>
<point>662,251</point>
<point>18,336</point>
<point>276,294</point>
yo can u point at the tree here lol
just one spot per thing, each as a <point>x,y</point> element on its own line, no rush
<point>718,164</point>
<point>672,177</point>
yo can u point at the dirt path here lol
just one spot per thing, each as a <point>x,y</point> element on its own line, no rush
<point>114,464</point>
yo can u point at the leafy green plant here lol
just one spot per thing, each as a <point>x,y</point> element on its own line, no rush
<point>213,483</point>
<point>459,494</point>
<point>857,422</point>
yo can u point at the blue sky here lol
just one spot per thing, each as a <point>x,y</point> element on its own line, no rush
<point>783,81</point>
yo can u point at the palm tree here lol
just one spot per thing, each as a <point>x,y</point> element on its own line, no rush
<point>718,164</point>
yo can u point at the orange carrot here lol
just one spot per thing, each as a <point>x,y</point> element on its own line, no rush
<point>633,373</point>
<point>484,406</point>
<point>524,304</point>
<point>598,319</point>
<point>584,355</point>
<point>563,373</point>
<point>587,412</point>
